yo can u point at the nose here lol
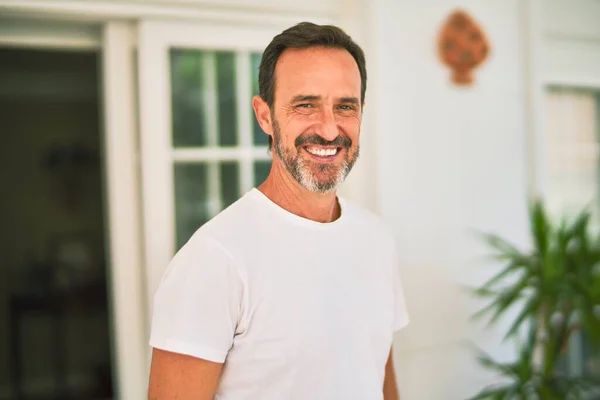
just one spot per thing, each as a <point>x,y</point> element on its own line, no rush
<point>328,126</point>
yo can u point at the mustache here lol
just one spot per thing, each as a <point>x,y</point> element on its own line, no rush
<point>340,141</point>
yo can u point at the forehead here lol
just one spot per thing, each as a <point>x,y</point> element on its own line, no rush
<point>326,72</point>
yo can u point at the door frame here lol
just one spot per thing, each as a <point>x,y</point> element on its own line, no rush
<point>114,42</point>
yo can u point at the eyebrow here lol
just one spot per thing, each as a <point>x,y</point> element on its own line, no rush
<point>303,97</point>
<point>351,100</point>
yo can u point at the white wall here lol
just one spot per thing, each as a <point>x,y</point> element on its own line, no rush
<point>450,160</point>
<point>571,41</point>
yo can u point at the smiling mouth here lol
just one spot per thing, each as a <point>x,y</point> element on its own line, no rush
<point>323,153</point>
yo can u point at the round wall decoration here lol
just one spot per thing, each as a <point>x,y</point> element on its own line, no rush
<point>462,46</point>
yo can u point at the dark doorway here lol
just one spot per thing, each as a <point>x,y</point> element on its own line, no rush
<point>55,328</point>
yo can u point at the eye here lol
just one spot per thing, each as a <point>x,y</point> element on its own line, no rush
<point>346,107</point>
<point>305,105</point>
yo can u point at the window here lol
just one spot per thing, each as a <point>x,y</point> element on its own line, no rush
<point>572,135</point>
<point>219,150</point>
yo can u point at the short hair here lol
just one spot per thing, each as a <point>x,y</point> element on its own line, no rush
<point>302,36</point>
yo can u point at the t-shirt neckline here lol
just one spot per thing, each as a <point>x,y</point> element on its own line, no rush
<point>296,219</point>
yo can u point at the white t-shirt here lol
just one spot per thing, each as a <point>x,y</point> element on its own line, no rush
<point>296,309</point>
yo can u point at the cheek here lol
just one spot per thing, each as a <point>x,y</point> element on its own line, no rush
<point>302,123</point>
<point>291,130</point>
<point>297,126</point>
<point>350,126</point>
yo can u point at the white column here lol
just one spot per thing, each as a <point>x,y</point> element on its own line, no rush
<point>130,350</point>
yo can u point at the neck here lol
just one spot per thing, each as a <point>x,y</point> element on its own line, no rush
<point>284,191</point>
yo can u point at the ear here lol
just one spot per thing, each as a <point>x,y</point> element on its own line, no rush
<point>263,114</point>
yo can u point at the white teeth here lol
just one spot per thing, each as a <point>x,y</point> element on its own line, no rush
<point>321,152</point>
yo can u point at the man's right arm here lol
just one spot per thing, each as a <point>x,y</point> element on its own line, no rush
<point>182,377</point>
<point>194,320</point>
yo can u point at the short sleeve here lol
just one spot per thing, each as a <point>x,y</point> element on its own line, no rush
<point>197,303</point>
<point>401,318</point>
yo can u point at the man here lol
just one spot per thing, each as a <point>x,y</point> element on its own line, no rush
<point>291,292</point>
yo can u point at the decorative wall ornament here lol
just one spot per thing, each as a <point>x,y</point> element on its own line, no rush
<point>462,46</point>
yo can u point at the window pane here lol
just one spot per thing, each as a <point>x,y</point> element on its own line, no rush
<point>572,129</point>
<point>230,183</point>
<point>191,200</point>
<point>188,98</point>
<point>260,138</point>
<point>261,171</point>
<point>203,98</point>
<point>196,201</point>
<point>226,87</point>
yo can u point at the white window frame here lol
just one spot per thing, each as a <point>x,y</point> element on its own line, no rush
<point>572,111</point>
<point>156,38</point>
<point>562,49</point>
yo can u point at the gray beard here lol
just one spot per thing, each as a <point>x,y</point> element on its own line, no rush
<point>300,171</point>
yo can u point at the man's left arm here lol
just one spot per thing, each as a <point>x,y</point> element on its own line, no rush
<point>390,389</point>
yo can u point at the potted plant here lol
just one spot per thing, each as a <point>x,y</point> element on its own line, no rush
<point>555,286</point>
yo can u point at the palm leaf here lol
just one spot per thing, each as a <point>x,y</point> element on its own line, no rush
<point>504,249</point>
<point>580,225</point>
<point>529,312</point>
<point>486,361</point>
<point>540,227</point>
<point>497,392</point>
<point>485,292</point>
<point>556,276</point>
<point>512,268</point>
<point>508,298</point>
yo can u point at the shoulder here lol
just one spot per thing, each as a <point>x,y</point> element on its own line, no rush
<point>229,229</point>
<point>200,255</point>
<point>234,217</point>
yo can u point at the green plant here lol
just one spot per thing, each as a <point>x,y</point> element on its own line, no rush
<point>556,288</point>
